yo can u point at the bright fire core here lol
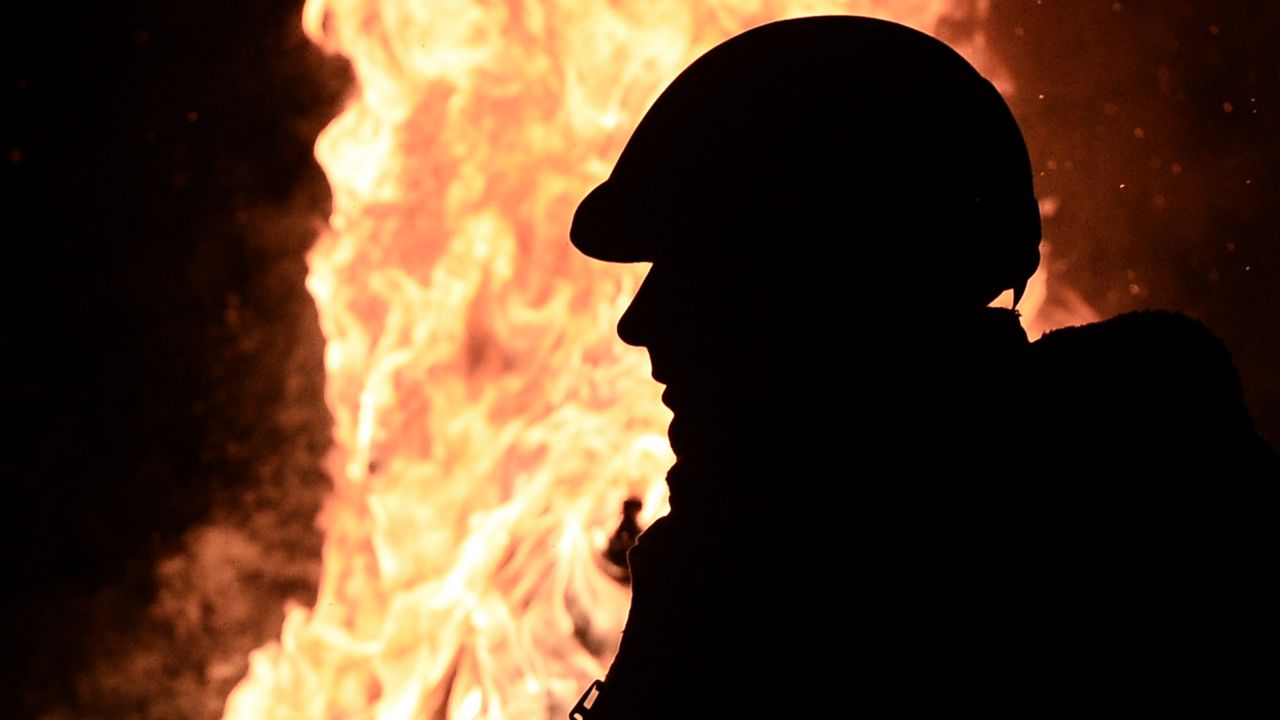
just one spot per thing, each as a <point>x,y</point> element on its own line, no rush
<point>489,424</point>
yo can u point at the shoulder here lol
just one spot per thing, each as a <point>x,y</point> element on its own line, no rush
<point>1153,366</point>
<point>1147,394</point>
<point>1140,342</point>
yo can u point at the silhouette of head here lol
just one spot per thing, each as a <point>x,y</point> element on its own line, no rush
<point>809,178</point>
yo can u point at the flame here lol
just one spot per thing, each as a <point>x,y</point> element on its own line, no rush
<point>489,424</point>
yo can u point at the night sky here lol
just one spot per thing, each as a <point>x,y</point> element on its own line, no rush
<point>163,360</point>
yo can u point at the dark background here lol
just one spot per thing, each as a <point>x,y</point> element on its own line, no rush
<point>1159,131</point>
<point>163,362</point>
<point>163,365</point>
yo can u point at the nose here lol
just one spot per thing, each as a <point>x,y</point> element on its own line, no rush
<point>636,325</point>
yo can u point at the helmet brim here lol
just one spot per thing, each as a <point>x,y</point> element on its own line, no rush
<point>603,228</point>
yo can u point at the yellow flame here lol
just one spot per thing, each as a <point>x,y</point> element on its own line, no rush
<point>489,424</point>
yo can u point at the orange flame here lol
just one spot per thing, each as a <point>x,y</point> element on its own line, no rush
<point>489,424</point>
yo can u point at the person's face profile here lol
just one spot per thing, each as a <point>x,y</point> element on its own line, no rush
<point>696,316</point>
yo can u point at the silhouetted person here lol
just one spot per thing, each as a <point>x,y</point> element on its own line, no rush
<point>885,498</point>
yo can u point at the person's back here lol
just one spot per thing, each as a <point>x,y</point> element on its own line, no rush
<point>885,497</point>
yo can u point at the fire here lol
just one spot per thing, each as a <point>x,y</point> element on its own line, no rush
<point>489,424</point>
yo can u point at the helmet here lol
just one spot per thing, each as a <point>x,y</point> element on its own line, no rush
<point>827,134</point>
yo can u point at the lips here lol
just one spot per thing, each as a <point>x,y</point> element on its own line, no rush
<point>675,398</point>
<point>677,436</point>
<point>678,428</point>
